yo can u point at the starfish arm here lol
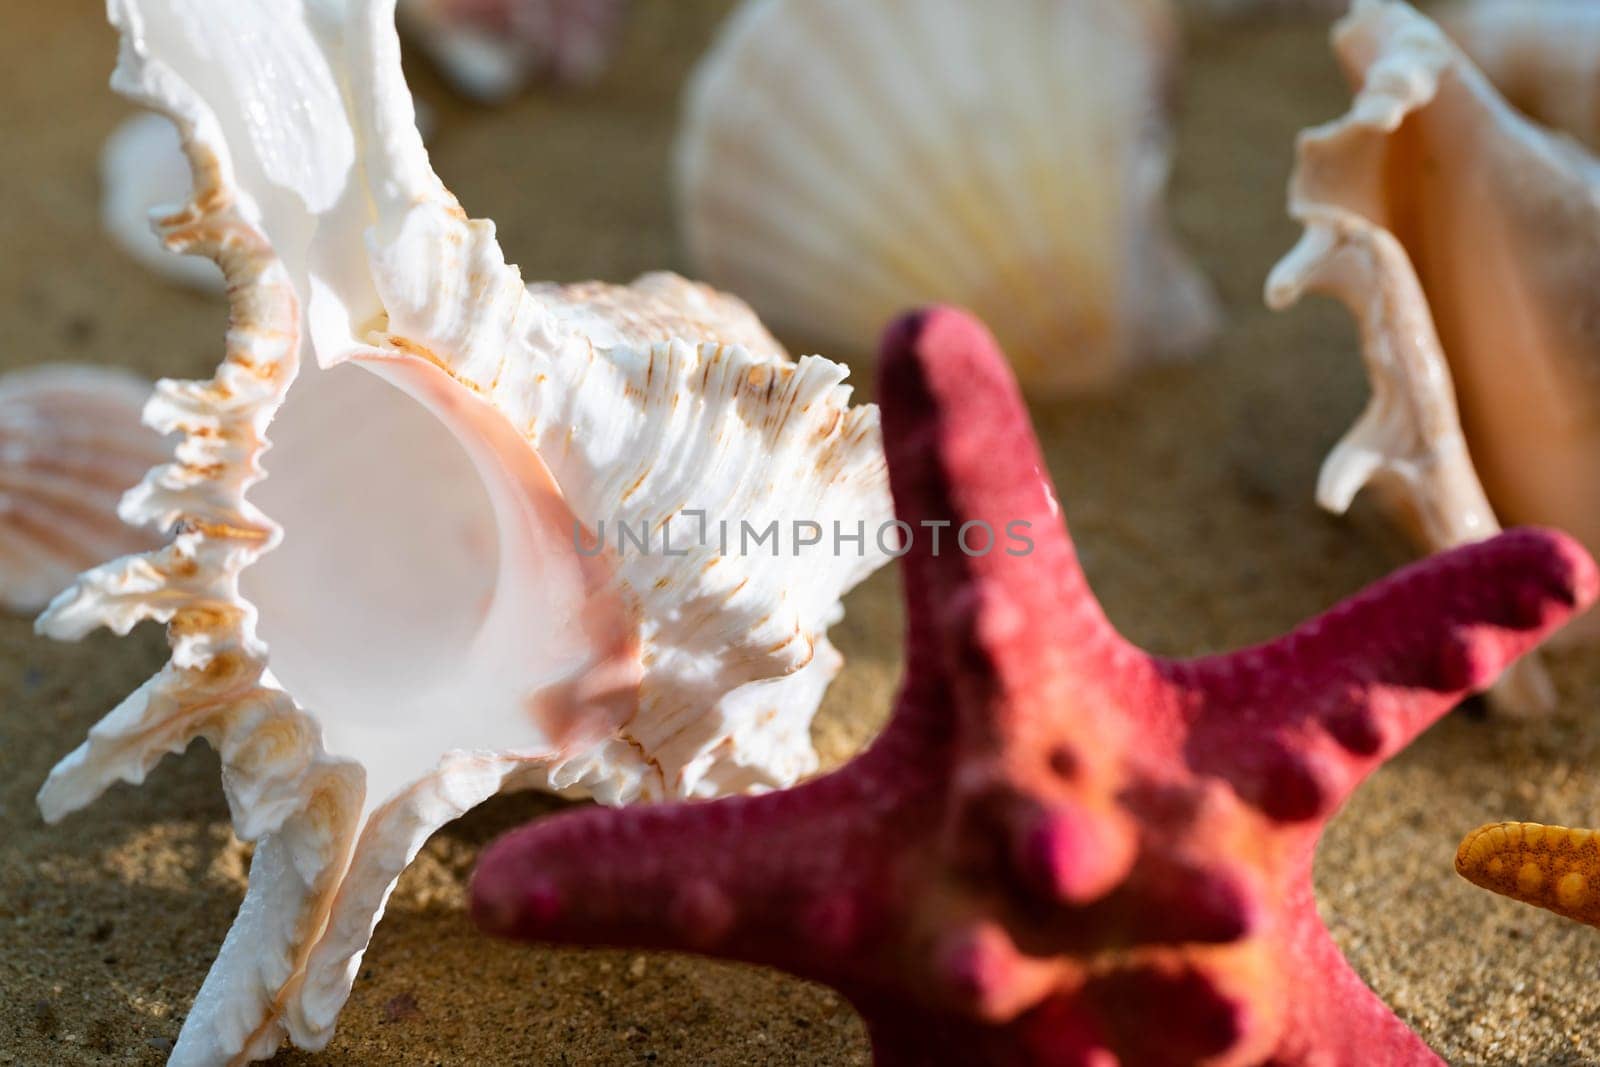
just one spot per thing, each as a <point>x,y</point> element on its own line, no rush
<point>1060,1033</point>
<point>1091,1027</point>
<point>1295,725</point>
<point>1334,1018</point>
<point>1005,616</point>
<point>1550,867</point>
<point>799,879</point>
<point>991,574</point>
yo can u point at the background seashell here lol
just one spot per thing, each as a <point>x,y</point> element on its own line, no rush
<point>142,171</point>
<point>1408,445</point>
<point>1543,56</point>
<point>438,629</point>
<point>1245,8</point>
<point>842,161</point>
<point>1500,223</point>
<point>491,49</point>
<point>70,443</point>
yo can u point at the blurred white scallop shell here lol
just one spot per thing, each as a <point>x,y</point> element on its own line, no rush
<point>142,170</point>
<point>841,162</point>
<point>71,442</point>
<point>1465,239</point>
<point>1543,56</point>
<point>490,50</point>
<point>432,562</point>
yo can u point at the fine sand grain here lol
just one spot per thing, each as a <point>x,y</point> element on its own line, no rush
<point>1189,494</point>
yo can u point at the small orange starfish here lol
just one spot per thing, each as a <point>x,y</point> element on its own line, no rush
<point>1550,867</point>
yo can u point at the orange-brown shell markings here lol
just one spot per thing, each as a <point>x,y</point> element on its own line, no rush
<point>299,805</point>
<point>1551,867</point>
<point>214,423</point>
<point>662,306</point>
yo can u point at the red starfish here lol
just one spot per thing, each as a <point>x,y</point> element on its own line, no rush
<point>1062,850</point>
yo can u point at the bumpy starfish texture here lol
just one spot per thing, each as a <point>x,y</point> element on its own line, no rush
<point>1550,867</point>
<point>1062,850</point>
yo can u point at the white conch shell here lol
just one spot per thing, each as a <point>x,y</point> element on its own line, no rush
<point>489,50</point>
<point>1543,56</point>
<point>438,630</point>
<point>1433,205</point>
<point>842,161</point>
<point>143,171</point>
<point>70,443</point>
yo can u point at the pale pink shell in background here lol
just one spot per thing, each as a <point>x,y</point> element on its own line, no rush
<point>71,444</point>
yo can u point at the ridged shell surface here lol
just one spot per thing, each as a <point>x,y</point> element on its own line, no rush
<point>142,169</point>
<point>841,162</point>
<point>71,442</point>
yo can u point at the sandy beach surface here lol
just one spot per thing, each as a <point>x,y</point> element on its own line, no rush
<point>1189,493</point>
